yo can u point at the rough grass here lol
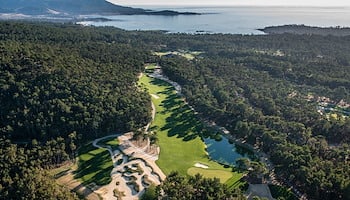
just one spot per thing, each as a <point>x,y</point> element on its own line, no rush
<point>94,165</point>
<point>178,131</point>
<point>62,170</point>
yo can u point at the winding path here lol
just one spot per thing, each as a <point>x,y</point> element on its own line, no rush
<point>139,157</point>
<point>94,143</point>
<point>121,160</point>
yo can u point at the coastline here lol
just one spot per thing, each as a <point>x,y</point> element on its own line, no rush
<point>242,20</point>
<point>306,30</point>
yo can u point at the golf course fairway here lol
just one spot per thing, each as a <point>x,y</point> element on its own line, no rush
<point>178,131</point>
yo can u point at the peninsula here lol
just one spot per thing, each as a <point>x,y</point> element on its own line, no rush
<point>307,30</point>
<point>67,8</point>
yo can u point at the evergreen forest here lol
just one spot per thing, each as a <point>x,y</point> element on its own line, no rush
<point>62,85</point>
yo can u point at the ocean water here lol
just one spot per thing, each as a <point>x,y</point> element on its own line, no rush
<point>235,20</point>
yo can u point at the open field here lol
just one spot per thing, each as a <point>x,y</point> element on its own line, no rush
<point>178,130</point>
<point>64,176</point>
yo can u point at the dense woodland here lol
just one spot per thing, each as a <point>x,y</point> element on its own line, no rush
<point>62,84</point>
<point>302,29</point>
<point>21,171</point>
<point>195,187</point>
<point>258,88</point>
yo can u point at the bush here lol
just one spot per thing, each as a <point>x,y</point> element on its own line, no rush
<point>150,193</point>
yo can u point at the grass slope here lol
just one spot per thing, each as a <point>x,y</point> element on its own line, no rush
<point>224,176</point>
<point>95,165</point>
<point>177,129</point>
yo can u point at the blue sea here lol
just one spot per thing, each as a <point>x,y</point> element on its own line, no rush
<point>234,20</point>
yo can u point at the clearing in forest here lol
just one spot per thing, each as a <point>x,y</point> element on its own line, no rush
<point>189,55</point>
<point>178,130</point>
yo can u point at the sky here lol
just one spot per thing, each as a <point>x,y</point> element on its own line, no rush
<point>326,3</point>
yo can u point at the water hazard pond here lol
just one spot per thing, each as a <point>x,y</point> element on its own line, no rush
<point>218,148</point>
<point>225,152</point>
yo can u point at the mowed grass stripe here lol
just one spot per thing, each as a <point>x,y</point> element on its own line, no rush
<point>176,126</point>
<point>94,166</point>
<point>210,173</point>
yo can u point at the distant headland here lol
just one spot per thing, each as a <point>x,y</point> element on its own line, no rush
<point>307,30</point>
<point>69,8</point>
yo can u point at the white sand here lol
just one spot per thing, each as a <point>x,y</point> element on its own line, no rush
<point>155,96</point>
<point>146,163</point>
<point>200,165</point>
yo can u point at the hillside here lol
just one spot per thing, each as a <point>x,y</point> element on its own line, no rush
<point>76,7</point>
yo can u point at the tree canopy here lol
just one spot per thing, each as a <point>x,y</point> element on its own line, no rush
<point>61,84</point>
<point>286,94</point>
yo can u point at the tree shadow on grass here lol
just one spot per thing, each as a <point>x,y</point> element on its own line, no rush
<point>182,121</point>
<point>161,83</point>
<point>97,168</point>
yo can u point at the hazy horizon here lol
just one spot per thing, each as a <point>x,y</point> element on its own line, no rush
<point>295,3</point>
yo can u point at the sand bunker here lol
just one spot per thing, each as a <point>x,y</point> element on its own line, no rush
<point>200,165</point>
<point>155,96</point>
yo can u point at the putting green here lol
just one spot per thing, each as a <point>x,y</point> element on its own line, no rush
<point>178,129</point>
<point>208,173</point>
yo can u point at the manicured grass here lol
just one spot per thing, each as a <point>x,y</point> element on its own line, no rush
<point>222,175</point>
<point>235,181</point>
<point>112,142</point>
<point>178,131</point>
<point>95,165</point>
<point>151,66</point>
